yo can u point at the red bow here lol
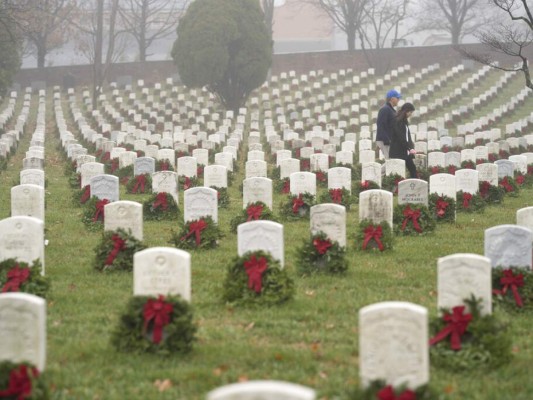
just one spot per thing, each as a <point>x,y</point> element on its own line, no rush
<point>86,194</point>
<point>484,189</point>
<point>99,212</point>
<point>375,233</point>
<point>365,185</point>
<point>118,246</point>
<point>506,185</point>
<point>164,166</point>
<point>336,195</point>
<point>254,212</point>
<point>321,246</point>
<point>466,200</point>
<point>441,207</point>
<point>452,169</point>
<point>520,179</point>
<point>187,183</point>
<point>306,165</point>
<point>196,228</point>
<point>106,157</point>
<point>387,393</point>
<point>435,170</point>
<point>457,324</point>
<point>16,276</point>
<point>255,269</point>
<point>413,215</point>
<point>286,187</point>
<point>509,280</point>
<point>114,165</point>
<point>160,201</point>
<point>297,202</point>
<point>140,181</point>
<point>159,311</point>
<point>320,176</point>
<point>19,383</point>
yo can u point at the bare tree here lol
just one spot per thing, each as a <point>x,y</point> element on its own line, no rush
<point>150,20</point>
<point>347,15</point>
<point>43,24</point>
<point>456,17</point>
<point>509,39</point>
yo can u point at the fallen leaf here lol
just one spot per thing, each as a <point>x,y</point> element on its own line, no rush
<point>220,369</point>
<point>323,375</point>
<point>330,326</point>
<point>449,389</point>
<point>278,357</point>
<point>163,385</point>
<point>516,349</point>
<point>249,326</point>
<point>315,346</point>
<point>243,378</point>
<point>72,286</point>
<point>310,293</point>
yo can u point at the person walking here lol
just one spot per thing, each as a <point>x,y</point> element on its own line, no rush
<point>385,122</point>
<point>401,145</point>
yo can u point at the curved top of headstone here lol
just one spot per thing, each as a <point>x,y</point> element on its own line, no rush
<point>262,390</point>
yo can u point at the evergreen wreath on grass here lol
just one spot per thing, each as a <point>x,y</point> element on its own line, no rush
<point>297,206</point>
<point>372,236</point>
<point>74,180</point>
<point>442,208</point>
<point>257,278</point>
<point>467,202</point>
<point>115,251</point>
<point>490,193</point>
<point>412,219</point>
<point>468,164</point>
<point>361,186</point>
<point>390,182</point>
<point>140,184</point>
<point>81,196</point>
<point>93,214</point>
<point>202,233</point>
<point>379,390</point>
<point>320,254</point>
<point>436,169</point>
<point>186,182</point>
<point>20,276</point>
<point>162,325</point>
<point>253,212</point>
<point>163,165</point>
<point>339,196</point>
<point>19,381</point>
<point>509,185</point>
<point>283,186</point>
<point>222,196</point>
<point>125,172</point>
<point>512,288</point>
<point>321,179</point>
<point>160,206</point>
<point>466,341</point>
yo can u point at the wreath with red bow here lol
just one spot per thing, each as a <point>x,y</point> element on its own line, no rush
<point>93,213</point>
<point>467,202</point>
<point>442,208</point>
<point>339,196</point>
<point>222,196</point>
<point>186,182</point>
<point>490,193</point>
<point>463,339</point>
<point>412,219</point>
<point>509,186</point>
<point>321,254</point>
<point>257,278</point>
<point>163,165</point>
<point>22,381</point>
<point>253,212</point>
<point>372,236</point>
<point>512,288</point>
<point>283,186</point>
<point>116,250</point>
<point>160,206</point>
<point>379,390</point>
<point>19,276</point>
<point>150,324</point>
<point>140,184</point>
<point>390,182</point>
<point>202,233</point>
<point>361,186</point>
<point>81,196</point>
<point>297,207</point>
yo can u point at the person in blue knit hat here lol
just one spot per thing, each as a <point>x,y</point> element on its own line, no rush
<point>386,121</point>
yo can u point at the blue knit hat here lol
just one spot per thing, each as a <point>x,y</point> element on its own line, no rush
<point>393,93</point>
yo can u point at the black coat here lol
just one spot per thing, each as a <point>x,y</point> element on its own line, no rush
<point>400,145</point>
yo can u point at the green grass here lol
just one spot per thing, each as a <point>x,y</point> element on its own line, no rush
<point>312,340</point>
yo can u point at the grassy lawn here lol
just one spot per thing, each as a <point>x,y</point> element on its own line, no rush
<point>311,340</point>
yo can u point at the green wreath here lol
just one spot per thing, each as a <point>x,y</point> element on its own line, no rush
<point>362,186</point>
<point>22,381</point>
<point>468,164</point>
<point>320,254</point>
<point>81,196</point>
<point>513,299</point>
<point>160,206</point>
<point>509,186</point>
<point>202,233</point>
<point>93,214</point>
<point>470,203</point>
<point>20,276</point>
<point>223,197</point>
<point>74,180</point>
<point>372,236</point>
<point>339,196</point>
<point>283,186</point>
<point>297,207</point>
<point>133,335</point>
<point>442,208</point>
<point>115,251</point>
<point>163,165</point>
<point>276,285</point>
<point>390,182</point>
<point>140,184</point>
<point>404,218</point>
<point>187,182</point>
<point>321,179</point>
<point>257,209</point>
<point>485,344</point>
<point>125,172</point>
<point>490,193</point>
<point>424,392</point>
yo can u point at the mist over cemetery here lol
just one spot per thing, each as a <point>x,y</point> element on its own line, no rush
<point>157,246</point>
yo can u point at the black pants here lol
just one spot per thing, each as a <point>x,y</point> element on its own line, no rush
<point>411,167</point>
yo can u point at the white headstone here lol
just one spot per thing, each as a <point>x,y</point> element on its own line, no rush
<point>261,235</point>
<point>124,214</point>
<point>262,390</point>
<point>105,186</point>
<point>303,182</point>
<point>167,182</point>
<point>331,220</point>
<point>509,246</point>
<point>257,189</point>
<point>22,238</point>
<point>200,202</point>
<point>376,206</point>
<point>27,200</point>
<point>413,191</point>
